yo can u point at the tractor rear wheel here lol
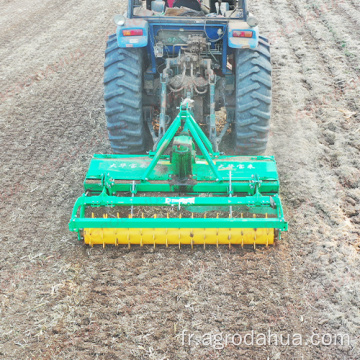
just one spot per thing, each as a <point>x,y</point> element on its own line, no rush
<point>123,84</point>
<point>253,99</point>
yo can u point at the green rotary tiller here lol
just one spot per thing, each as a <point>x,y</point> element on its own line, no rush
<point>173,196</point>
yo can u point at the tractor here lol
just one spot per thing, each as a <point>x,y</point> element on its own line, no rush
<point>209,52</point>
<point>170,69</point>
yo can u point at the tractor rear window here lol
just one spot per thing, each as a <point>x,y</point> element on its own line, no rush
<point>189,8</point>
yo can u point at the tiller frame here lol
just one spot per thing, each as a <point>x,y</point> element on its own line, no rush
<point>211,181</point>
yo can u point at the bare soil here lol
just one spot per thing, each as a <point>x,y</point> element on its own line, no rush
<point>62,300</point>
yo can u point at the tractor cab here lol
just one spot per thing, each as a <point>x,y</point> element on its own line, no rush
<point>188,8</point>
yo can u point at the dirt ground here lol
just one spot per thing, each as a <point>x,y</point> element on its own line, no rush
<point>62,300</point>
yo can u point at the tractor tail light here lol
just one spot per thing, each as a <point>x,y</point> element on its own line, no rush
<point>242,34</point>
<point>136,32</point>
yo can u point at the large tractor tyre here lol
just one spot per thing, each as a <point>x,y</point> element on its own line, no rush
<point>123,82</point>
<point>253,99</point>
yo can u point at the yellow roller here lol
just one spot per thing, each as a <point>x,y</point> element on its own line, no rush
<point>175,236</point>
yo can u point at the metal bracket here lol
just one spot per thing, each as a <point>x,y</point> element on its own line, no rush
<point>185,116</point>
<point>212,122</point>
<point>162,121</point>
<point>255,183</point>
<point>107,183</point>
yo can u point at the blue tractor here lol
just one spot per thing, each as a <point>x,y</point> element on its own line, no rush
<point>201,51</point>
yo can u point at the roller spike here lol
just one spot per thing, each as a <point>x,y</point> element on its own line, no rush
<point>118,215</point>
<point>180,216</point>
<point>167,215</point>
<point>205,216</point>
<point>217,242</point>
<point>92,215</point>
<point>242,215</point>
<point>217,215</point>
<point>155,216</point>
<point>115,234</point>
<point>142,215</point>
<point>254,215</point>
<point>141,242</point>
<point>192,215</point>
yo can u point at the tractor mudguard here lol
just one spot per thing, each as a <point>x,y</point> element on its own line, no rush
<point>241,42</point>
<point>133,34</point>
